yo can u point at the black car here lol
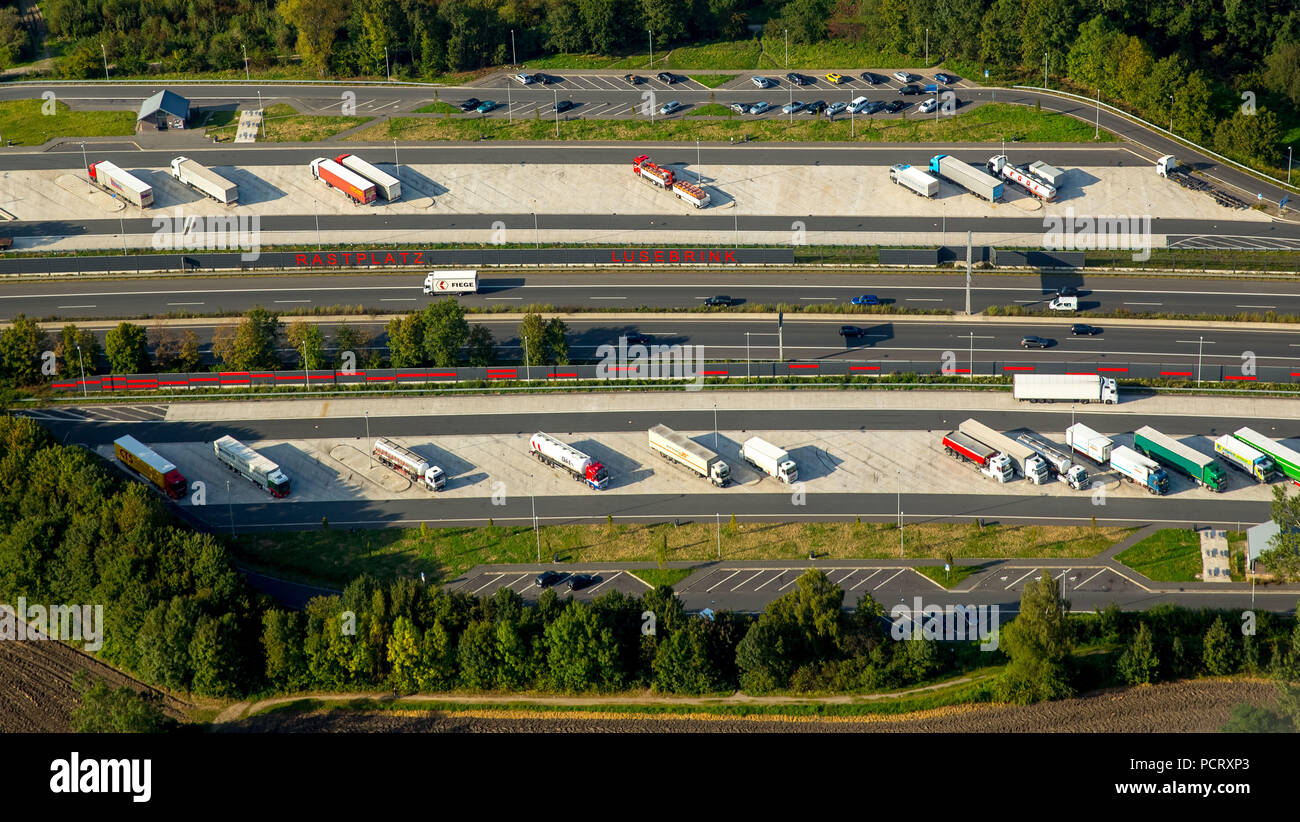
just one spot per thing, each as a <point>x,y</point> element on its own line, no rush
<point>544,79</point>
<point>797,79</point>
<point>873,107</point>
<point>578,581</point>
<point>1067,291</point>
<point>911,88</point>
<point>665,77</point>
<point>1034,342</point>
<point>546,579</point>
<point>470,104</point>
<point>718,300</point>
<point>637,338</point>
<point>895,106</point>
<point>847,331</point>
<point>564,105</point>
<point>815,107</point>
<point>872,79</point>
<point>1084,330</point>
<point>634,79</point>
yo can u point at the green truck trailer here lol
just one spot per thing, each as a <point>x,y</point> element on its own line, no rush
<point>1169,451</point>
<point>1284,459</point>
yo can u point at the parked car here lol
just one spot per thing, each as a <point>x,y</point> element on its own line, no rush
<point>525,79</point>
<point>564,105</point>
<point>848,331</point>
<point>763,82</point>
<point>760,108</point>
<point>834,79</point>
<point>927,106</point>
<point>578,581</point>
<point>544,79</point>
<point>815,107</point>
<point>546,579</point>
<point>1033,341</point>
<point>911,88</point>
<point>634,79</point>
<point>872,79</point>
<point>740,108</point>
<point>798,79</point>
<point>636,338</point>
<point>485,106</point>
<point>857,103</point>
<point>836,108</point>
<point>905,77</point>
<point>718,300</point>
<point>895,106</point>
<point>946,79</point>
<point>669,107</point>
<point>874,106</point>
<point>791,108</point>
<point>470,104</point>
<point>1084,330</point>
<point>665,77</point>
<point>866,299</point>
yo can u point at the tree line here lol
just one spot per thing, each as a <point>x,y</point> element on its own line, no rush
<point>439,335</point>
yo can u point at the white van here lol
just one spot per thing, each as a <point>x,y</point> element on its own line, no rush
<point>855,102</point>
<point>1064,304</point>
<point>451,282</point>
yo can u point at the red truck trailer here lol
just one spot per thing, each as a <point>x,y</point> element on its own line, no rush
<point>656,175</point>
<point>358,188</point>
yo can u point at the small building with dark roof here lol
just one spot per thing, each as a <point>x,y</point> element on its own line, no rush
<point>162,111</point>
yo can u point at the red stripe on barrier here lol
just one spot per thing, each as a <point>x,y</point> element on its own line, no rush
<point>411,376</point>
<point>321,377</point>
<point>1017,368</point>
<point>575,374</point>
<point>232,373</point>
<point>1175,373</point>
<point>1230,377</point>
<point>864,368</point>
<point>443,374</point>
<point>715,373</point>
<point>175,382</point>
<point>265,376</point>
<point>1112,369</point>
<point>961,371</point>
<point>804,365</point>
<point>282,377</point>
<point>64,385</point>
<point>380,379</point>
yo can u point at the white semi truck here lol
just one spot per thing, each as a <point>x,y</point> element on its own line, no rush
<point>109,177</point>
<point>451,282</point>
<point>1094,446</point>
<point>681,449</point>
<point>254,467</point>
<point>1082,388</point>
<point>556,454</point>
<point>409,464</point>
<point>1139,470</point>
<point>1061,464</point>
<point>205,181</point>
<point>1026,461</point>
<point>770,459</point>
<point>914,179</point>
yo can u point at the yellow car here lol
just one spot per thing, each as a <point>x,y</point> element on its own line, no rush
<point>835,78</point>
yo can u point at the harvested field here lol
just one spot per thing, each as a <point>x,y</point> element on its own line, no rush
<point>1200,706</point>
<point>36,690</point>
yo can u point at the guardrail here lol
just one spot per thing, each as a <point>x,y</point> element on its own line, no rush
<point>731,371</point>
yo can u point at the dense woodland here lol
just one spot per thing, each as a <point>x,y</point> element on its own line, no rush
<point>1191,60</point>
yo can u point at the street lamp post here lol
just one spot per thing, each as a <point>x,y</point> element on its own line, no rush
<point>315,205</point>
<point>397,164</point>
<point>82,363</point>
<point>652,48</point>
<point>697,160</point>
<point>555,93</point>
<point>1200,347</point>
<point>84,163</point>
<point>369,449</point>
<point>104,50</point>
<point>1044,69</point>
<point>537,237</point>
<point>510,106</point>
<point>262,112</point>
<point>247,76</point>
<point>514,55</point>
<point>747,360</point>
<point>528,374</point>
<point>1096,129</point>
<point>927,47</point>
<point>715,426</point>
<point>538,533</point>
<point>787,49</point>
<point>1171,114</point>
<point>1288,165</point>
<point>388,74</point>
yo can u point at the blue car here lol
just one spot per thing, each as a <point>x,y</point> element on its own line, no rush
<point>485,106</point>
<point>866,299</point>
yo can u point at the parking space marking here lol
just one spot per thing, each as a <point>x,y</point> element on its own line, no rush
<point>729,576</point>
<point>1031,573</point>
<point>1063,573</point>
<point>747,579</point>
<point>617,574</point>
<point>840,581</point>
<point>496,578</point>
<point>788,584</point>
<point>524,577</point>
<point>886,582</point>
<point>1090,579</point>
<point>778,575</point>
<point>866,579</point>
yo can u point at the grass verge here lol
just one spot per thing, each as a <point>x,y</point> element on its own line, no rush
<point>25,122</point>
<point>713,80</point>
<point>332,556</point>
<point>438,107</point>
<point>947,578</point>
<point>662,576</point>
<point>283,124</point>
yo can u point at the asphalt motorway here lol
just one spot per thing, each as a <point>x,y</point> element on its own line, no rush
<point>195,294</point>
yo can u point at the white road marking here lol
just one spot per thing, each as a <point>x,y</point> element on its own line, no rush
<point>729,576</point>
<point>486,584</point>
<point>770,581</point>
<point>886,582</point>
<point>185,303</point>
<point>397,299</point>
<point>76,306</point>
<point>611,579</point>
<point>1031,573</point>
<point>1090,579</point>
<point>293,301</point>
<point>747,579</point>
<point>1143,303</point>
<point>864,580</point>
<point>1257,306</point>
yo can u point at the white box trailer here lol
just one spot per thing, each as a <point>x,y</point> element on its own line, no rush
<point>681,449</point>
<point>386,184</point>
<point>1082,388</point>
<point>109,177</point>
<point>1048,174</point>
<point>967,176</point>
<point>410,464</point>
<point>251,465</point>
<point>772,460</point>
<point>451,282</point>
<point>1083,440</point>
<point>914,179</point>
<point>1026,461</point>
<point>205,181</point>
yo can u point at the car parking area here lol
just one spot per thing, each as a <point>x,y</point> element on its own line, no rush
<point>774,582</point>
<point>485,582</point>
<point>1083,578</point>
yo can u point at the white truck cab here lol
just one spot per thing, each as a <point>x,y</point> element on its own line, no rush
<point>451,282</point>
<point>1064,304</point>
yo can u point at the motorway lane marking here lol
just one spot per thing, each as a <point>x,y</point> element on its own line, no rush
<point>1031,573</point>
<point>503,298</point>
<point>742,584</point>
<point>1195,342</point>
<point>76,306</point>
<point>397,299</point>
<point>293,301</point>
<point>886,582</point>
<point>816,298</point>
<point>729,576</point>
<point>864,580</point>
<point>1257,306</point>
<point>185,303</point>
<point>1143,303</point>
<point>1090,579</point>
<point>607,298</point>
